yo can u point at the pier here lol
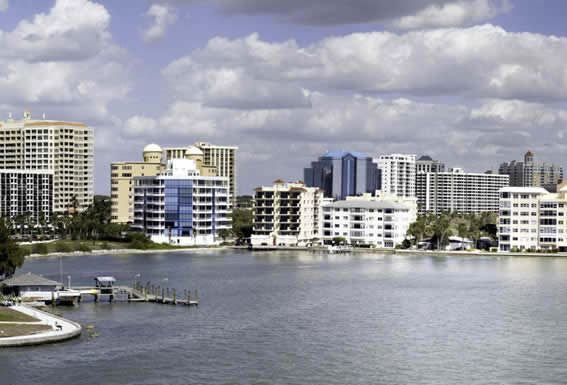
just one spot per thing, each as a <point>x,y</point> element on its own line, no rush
<point>105,288</point>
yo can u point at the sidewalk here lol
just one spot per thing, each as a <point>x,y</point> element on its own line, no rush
<point>68,329</point>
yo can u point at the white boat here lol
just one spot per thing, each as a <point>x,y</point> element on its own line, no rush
<point>334,249</point>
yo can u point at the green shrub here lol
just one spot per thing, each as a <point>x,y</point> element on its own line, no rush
<point>494,249</point>
<point>84,248</point>
<point>140,245</point>
<point>105,246</point>
<point>514,250</point>
<point>63,247</point>
<point>40,248</point>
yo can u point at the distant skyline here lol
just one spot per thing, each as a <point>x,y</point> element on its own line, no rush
<point>472,83</point>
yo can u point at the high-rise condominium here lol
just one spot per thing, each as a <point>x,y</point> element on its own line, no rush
<point>341,174</point>
<point>398,174</point>
<point>122,175</point>
<point>180,206</point>
<point>66,148</point>
<point>26,192</point>
<point>221,157</point>
<point>531,173</point>
<point>458,191</point>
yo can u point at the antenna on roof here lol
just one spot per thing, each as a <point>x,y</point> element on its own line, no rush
<point>44,116</point>
<point>9,115</point>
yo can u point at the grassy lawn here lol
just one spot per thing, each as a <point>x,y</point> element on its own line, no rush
<point>7,330</point>
<point>9,315</point>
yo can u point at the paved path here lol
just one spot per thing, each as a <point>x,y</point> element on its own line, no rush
<point>68,329</point>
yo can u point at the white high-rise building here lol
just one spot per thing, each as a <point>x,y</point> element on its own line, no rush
<point>458,191</point>
<point>398,174</point>
<point>531,218</point>
<point>180,206</point>
<point>66,148</point>
<point>286,214</point>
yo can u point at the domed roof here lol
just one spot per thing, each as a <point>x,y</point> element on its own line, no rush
<point>529,153</point>
<point>192,150</point>
<point>152,148</point>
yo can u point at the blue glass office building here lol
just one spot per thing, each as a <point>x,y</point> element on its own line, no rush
<point>340,174</point>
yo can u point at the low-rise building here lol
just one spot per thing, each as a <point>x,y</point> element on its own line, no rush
<point>26,192</point>
<point>531,218</point>
<point>286,214</point>
<point>380,223</point>
<point>182,207</point>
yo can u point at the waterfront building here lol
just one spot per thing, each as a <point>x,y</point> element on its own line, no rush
<point>220,158</point>
<point>26,192</point>
<point>458,191</point>
<point>122,176</point>
<point>340,174</point>
<point>286,214</point>
<point>531,218</point>
<point>381,196</point>
<point>380,223</point>
<point>398,174</point>
<point>531,173</point>
<point>426,164</point>
<point>182,207</point>
<point>66,148</point>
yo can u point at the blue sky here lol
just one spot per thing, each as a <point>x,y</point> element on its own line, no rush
<point>469,82</point>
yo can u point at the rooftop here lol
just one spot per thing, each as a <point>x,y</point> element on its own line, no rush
<point>355,204</point>
<point>527,190</point>
<point>342,154</point>
<point>29,279</point>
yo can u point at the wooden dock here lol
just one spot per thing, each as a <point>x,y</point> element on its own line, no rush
<point>139,293</point>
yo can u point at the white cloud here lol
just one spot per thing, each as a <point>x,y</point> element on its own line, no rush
<point>72,30</point>
<point>140,126</point>
<point>63,60</point>
<point>482,61</point>
<point>163,18</point>
<point>280,142</point>
<point>460,12</point>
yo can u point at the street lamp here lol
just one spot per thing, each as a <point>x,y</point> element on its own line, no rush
<point>134,280</point>
<point>69,278</point>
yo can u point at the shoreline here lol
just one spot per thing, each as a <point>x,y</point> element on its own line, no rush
<point>119,251</point>
<point>435,253</point>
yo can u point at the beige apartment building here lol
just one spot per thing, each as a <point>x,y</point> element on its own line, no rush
<point>223,158</point>
<point>66,148</point>
<point>286,214</point>
<point>122,176</point>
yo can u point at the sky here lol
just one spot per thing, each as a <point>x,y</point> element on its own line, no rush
<point>472,83</point>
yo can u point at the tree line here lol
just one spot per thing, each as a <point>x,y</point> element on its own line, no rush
<point>438,228</point>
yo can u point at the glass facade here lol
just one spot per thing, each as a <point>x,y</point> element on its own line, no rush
<point>178,208</point>
<point>340,174</point>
